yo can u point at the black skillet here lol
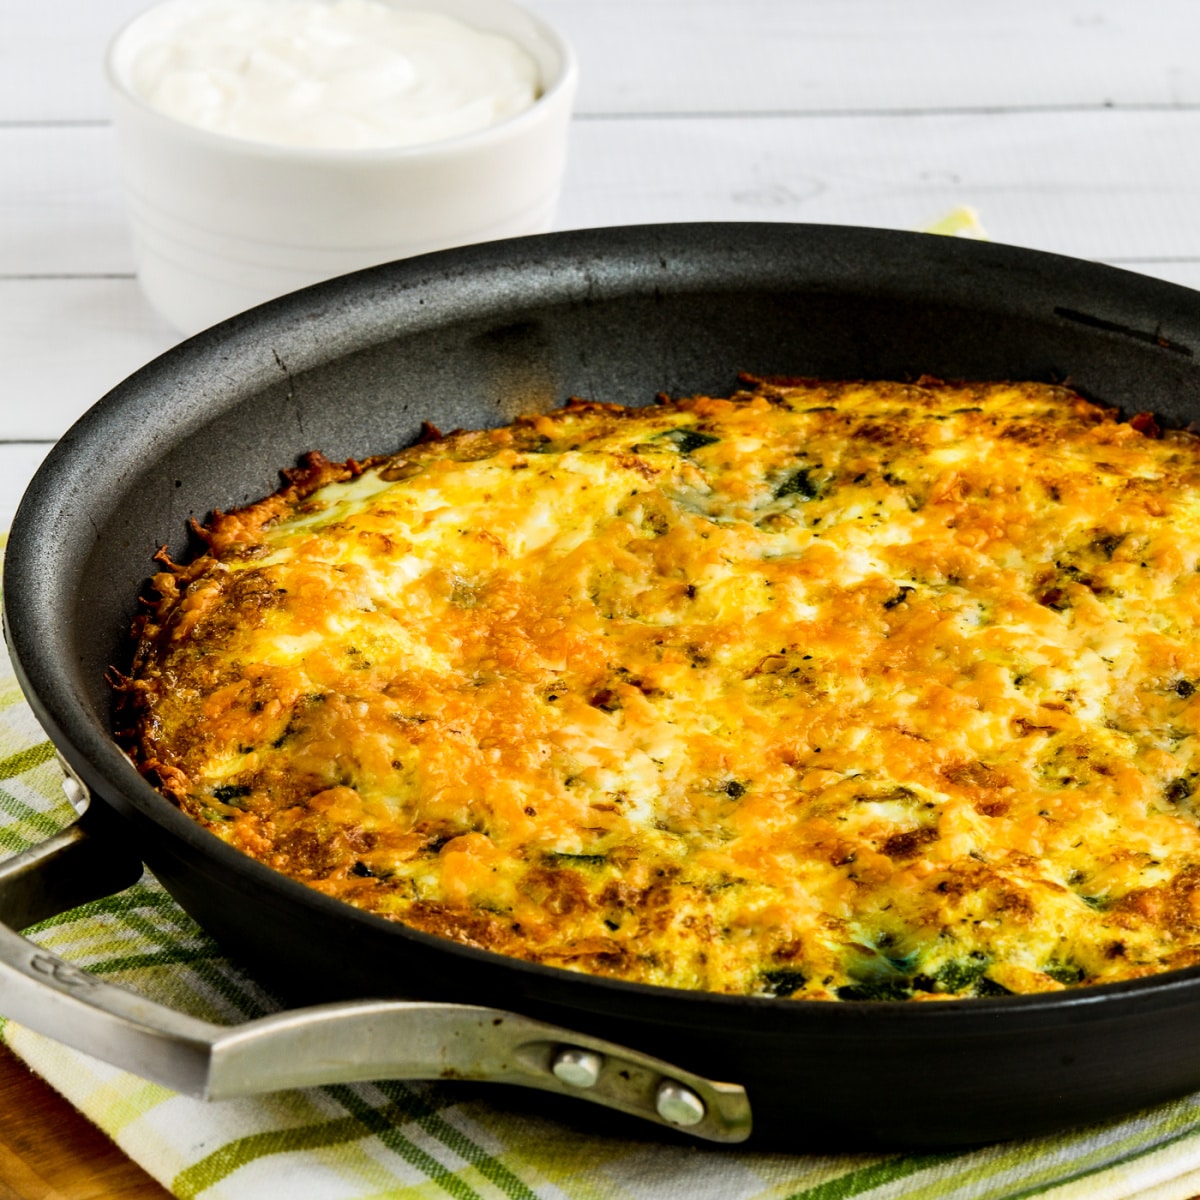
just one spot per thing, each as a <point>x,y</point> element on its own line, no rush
<point>473,337</point>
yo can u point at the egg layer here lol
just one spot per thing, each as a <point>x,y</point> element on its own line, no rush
<point>858,691</point>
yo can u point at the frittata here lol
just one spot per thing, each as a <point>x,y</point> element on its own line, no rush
<point>857,691</point>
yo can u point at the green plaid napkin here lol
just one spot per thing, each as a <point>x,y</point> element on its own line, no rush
<point>469,1142</point>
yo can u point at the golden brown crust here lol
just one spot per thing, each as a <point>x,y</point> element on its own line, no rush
<point>857,690</point>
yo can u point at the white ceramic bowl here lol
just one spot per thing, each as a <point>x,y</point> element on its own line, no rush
<point>220,224</point>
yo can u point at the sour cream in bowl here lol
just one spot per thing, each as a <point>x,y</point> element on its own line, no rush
<point>268,144</point>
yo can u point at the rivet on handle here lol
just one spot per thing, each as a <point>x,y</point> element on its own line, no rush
<point>677,1104</point>
<point>576,1067</point>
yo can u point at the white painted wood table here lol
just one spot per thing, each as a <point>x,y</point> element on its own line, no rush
<point>1071,125</point>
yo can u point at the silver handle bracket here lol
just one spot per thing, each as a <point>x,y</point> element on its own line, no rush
<point>331,1043</point>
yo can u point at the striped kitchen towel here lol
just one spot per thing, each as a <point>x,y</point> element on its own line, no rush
<point>469,1142</point>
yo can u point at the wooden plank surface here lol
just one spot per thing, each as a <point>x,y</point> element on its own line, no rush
<point>18,462</point>
<point>64,343</point>
<point>1109,185</point>
<point>48,1151</point>
<point>1120,187</point>
<point>704,56</point>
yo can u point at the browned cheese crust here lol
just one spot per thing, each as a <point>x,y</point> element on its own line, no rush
<point>823,690</point>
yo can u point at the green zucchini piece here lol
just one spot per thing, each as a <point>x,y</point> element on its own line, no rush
<point>799,483</point>
<point>687,440</point>
<point>782,981</point>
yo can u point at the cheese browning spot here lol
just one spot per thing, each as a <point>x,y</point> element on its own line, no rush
<point>842,691</point>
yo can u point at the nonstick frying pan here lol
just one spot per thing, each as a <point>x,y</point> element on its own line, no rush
<point>473,337</point>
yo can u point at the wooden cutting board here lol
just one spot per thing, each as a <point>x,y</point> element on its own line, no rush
<point>48,1151</point>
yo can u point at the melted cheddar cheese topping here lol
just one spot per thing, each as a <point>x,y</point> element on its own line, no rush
<point>850,690</point>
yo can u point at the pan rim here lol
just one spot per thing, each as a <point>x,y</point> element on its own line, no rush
<point>289,322</point>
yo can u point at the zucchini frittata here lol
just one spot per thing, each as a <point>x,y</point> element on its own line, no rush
<point>848,691</point>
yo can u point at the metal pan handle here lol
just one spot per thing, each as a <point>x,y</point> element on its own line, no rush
<point>329,1043</point>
